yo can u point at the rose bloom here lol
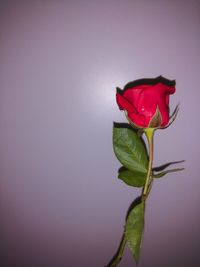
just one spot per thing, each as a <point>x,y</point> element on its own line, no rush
<point>146,101</point>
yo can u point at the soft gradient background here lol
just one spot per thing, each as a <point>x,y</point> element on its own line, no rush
<point>61,204</point>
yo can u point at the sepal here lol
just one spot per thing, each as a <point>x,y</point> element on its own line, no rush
<point>156,120</point>
<point>172,117</point>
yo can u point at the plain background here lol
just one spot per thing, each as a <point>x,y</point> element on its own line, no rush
<point>61,204</point>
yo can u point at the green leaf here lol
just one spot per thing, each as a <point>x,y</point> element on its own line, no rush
<point>164,166</point>
<point>134,229</point>
<point>132,178</point>
<point>161,174</point>
<point>129,149</point>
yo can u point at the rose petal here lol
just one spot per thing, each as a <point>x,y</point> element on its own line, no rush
<point>138,119</point>
<point>133,94</point>
<point>171,90</point>
<point>124,104</point>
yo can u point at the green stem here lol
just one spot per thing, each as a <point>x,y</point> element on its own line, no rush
<point>118,256</point>
<point>149,134</point>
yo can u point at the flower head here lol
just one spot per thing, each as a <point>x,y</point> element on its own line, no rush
<point>146,101</point>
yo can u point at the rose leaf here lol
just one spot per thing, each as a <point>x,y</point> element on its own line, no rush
<point>161,174</point>
<point>134,229</point>
<point>129,149</point>
<point>132,178</point>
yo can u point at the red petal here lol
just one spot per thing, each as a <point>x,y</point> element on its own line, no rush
<point>171,90</point>
<point>124,104</point>
<point>138,119</point>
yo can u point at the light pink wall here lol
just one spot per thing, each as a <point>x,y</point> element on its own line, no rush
<point>61,204</point>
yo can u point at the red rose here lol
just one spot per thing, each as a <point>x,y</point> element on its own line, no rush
<point>146,101</point>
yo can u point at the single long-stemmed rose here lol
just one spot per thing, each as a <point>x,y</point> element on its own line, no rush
<point>146,106</point>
